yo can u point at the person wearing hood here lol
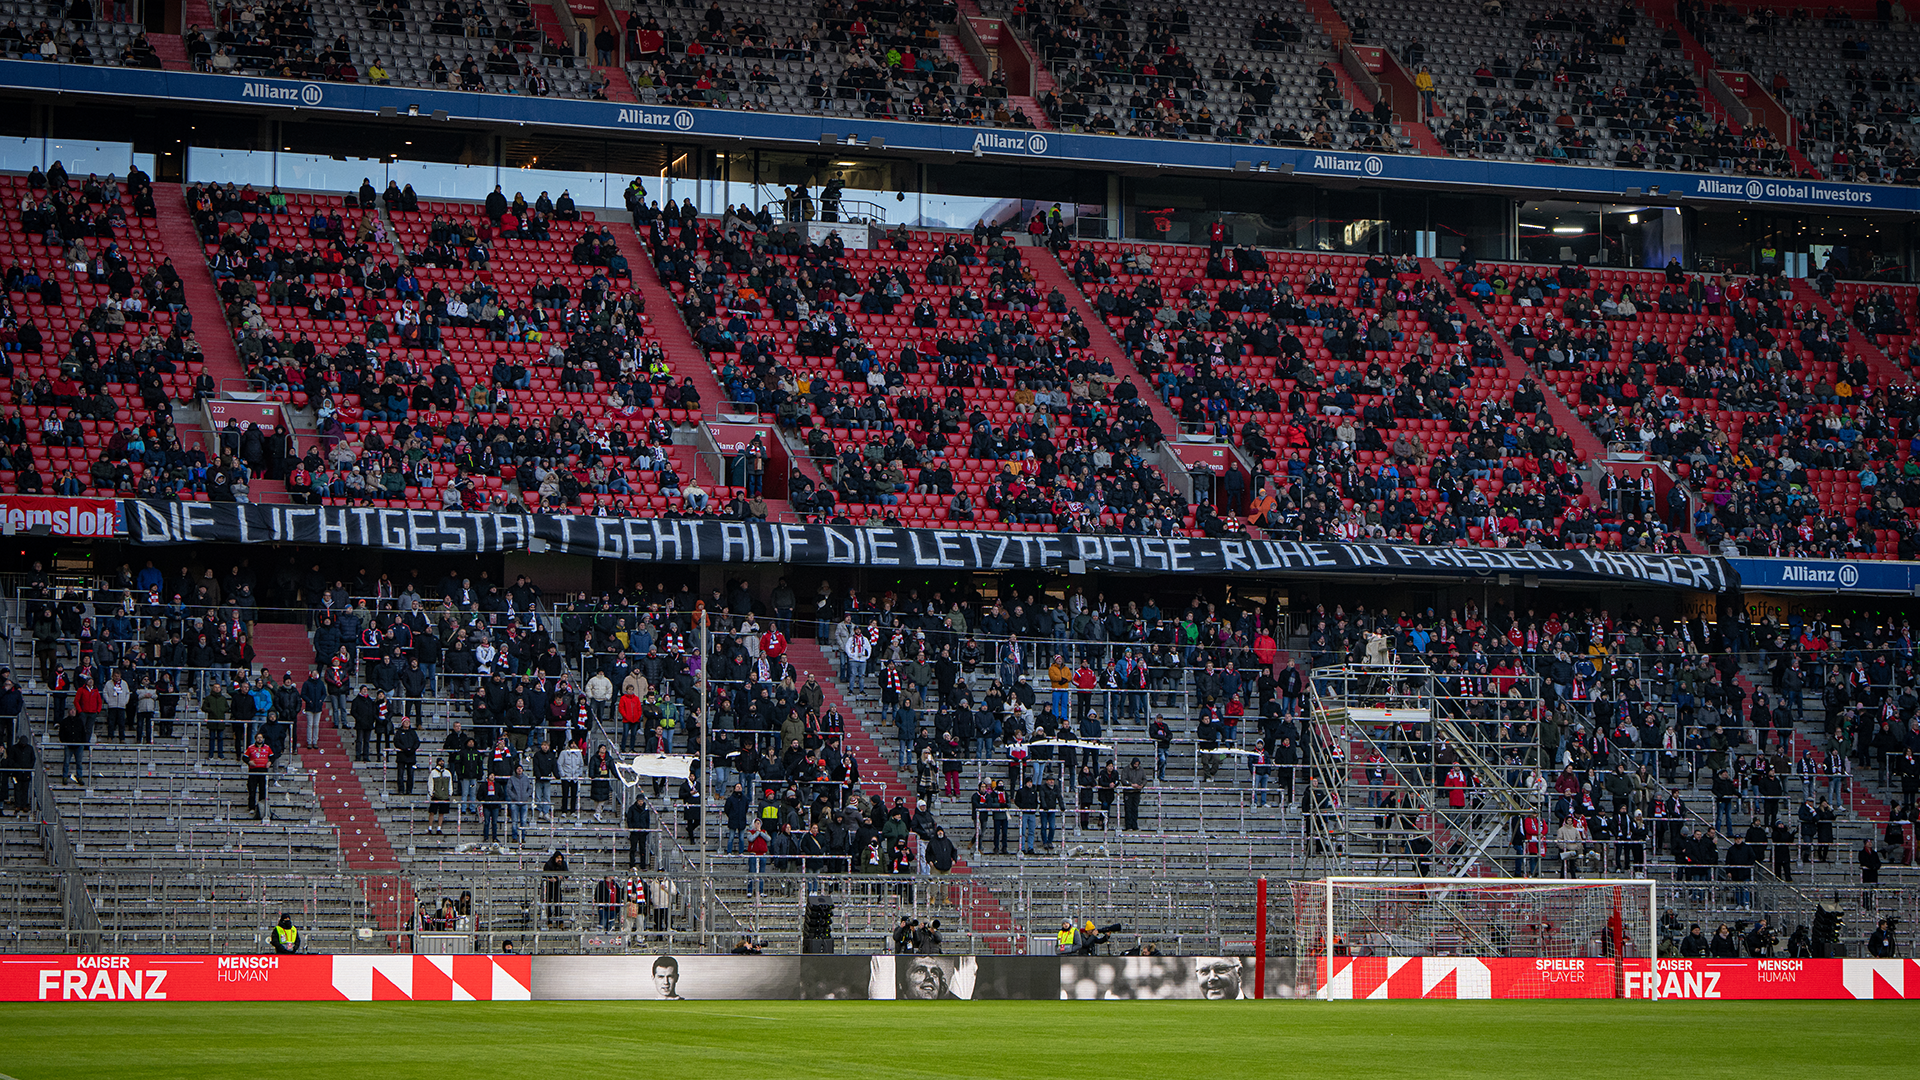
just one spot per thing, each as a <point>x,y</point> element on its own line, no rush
<point>941,855</point>
<point>286,936</point>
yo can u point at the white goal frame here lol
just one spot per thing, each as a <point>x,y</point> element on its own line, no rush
<point>1329,888</point>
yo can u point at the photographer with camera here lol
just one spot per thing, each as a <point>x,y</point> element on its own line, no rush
<point>1091,937</point>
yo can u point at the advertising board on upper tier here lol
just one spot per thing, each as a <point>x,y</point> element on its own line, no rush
<point>1568,179</point>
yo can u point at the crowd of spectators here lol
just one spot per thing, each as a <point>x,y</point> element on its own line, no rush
<point>126,662</point>
<point>1804,398</point>
<point>121,351</point>
<point>889,59</point>
<point>1856,114</point>
<point>1651,743</point>
<point>62,37</point>
<point>1330,437</point>
<point>1073,457</point>
<point>1657,115</point>
<point>269,39</point>
<point>1645,739</point>
<point>396,401</point>
<point>1114,71</point>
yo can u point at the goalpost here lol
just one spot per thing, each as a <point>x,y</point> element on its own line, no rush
<point>1359,937</point>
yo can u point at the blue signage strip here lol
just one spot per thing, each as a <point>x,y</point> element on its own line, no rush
<point>998,143</point>
<point>1826,575</point>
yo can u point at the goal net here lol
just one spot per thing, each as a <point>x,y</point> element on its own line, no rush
<point>1479,938</point>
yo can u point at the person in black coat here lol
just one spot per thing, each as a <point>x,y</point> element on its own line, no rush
<point>1869,872</point>
<point>1782,851</point>
<point>243,715</point>
<point>553,879</point>
<point>12,704</point>
<point>1880,942</point>
<point>364,714</point>
<point>20,759</point>
<point>639,821</point>
<point>941,852</point>
<point>690,806</point>
<point>406,748</point>
<point>1824,817</point>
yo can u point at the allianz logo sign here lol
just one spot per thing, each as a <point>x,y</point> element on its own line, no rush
<point>678,119</point>
<point>1371,165</point>
<point>1010,144</point>
<point>1846,576</point>
<point>1754,189</point>
<point>305,94</point>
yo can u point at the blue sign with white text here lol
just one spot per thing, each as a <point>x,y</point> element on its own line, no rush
<point>1826,575</point>
<point>1053,146</point>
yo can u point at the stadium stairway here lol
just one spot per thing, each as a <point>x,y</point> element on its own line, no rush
<point>802,464</point>
<point>1418,133</point>
<point>189,422</point>
<point>1336,28</point>
<point>1838,879</point>
<point>282,647</point>
<point>664,316</point>
<point>1886,373</point>
<point>1053,275</point>
<point>198,13</point>
<point>32,918</point>
<point>548,21</point>
<point>1042,78</point>
<point>203,300</point>
<point>619,87</point>
<point>1803,165</point>
<point>172,858</point>
<point>670,329</point>
<point>969,73</point>
<point>1588,445</point>
<point>1704,65</point>
<point>172,51</point>
<point>1585,442</point>
<point>987,916</point>
<point>1862,803</point>
<point>265,489</point>
<point>1331,21</point>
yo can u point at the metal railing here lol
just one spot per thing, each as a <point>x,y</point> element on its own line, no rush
<point>78,914</point>
<point>980,912</point>
<point>546,913</point>
<point>1170,688</point>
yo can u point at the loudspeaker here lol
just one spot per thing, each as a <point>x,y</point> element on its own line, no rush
<point>816,928</point>
<point>1827,918</point>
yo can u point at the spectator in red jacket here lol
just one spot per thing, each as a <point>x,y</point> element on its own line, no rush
<point>259,759</point>
<point>88,702</point>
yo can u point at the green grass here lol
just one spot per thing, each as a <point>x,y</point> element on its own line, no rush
<point>978,1040</point>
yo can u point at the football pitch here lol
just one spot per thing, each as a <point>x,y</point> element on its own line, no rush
<point>977,1040</point>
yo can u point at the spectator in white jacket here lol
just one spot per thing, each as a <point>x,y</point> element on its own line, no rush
<point>600,696</point>
<point>572,770</point>
<point>858,650</point>
<point>116,696</point>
